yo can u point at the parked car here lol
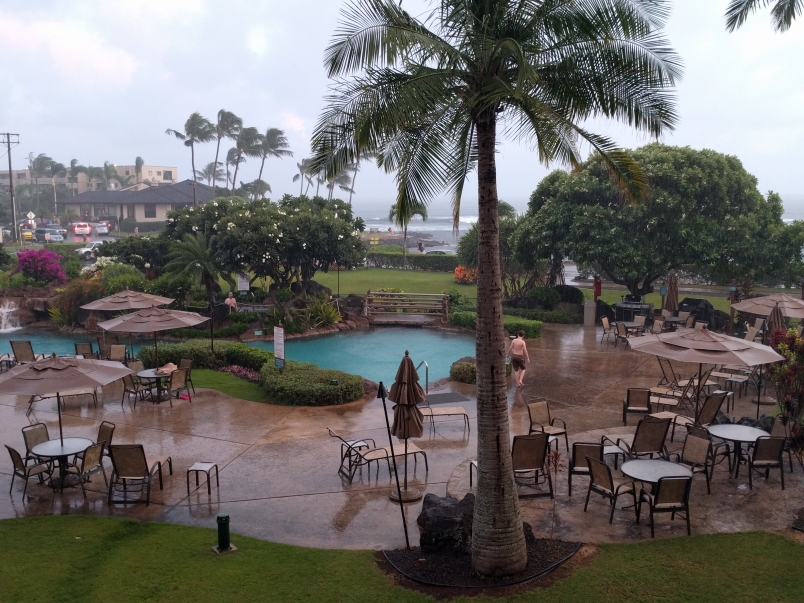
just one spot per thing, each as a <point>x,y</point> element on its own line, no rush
<point>88,251</point>
<point>41,235</point>
<point>82,228</point>
<point>26,234</point>
<point>101,229</point>
<point>60,230</point>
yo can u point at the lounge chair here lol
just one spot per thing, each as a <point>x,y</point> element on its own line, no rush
<point>24,471</point>
<point>118,353</point>
<point>542,422</point>
<point>443,411</point>
<point>356,454</point>
<point>67,393</point>
<point>23,352</point>
<point>84,349</point>
<point>130,465</point>
<point>578,464</point>
<point>604,483</point>
<point>529,457</point>
<point>672,496</point>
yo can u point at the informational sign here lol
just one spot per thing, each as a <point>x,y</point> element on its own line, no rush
<point>279,347</point>
<point>374,240</point>
<point>243,282</point>
<point>663,290</point>
<point>30,215</point>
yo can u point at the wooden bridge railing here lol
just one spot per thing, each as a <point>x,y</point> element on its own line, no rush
<point>418,303</point>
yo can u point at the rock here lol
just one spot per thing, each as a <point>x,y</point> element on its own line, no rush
<point>446,524</point>
<point>342,326</point>
<point>313,289</point>
<point>351,324</point>
<point>354,301</point>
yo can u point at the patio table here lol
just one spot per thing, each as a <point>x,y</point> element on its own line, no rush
<point>674,321</point>
<point>739,435</point>
<point>60,450</point>
<point>650,471</point>
<point>152,375</point>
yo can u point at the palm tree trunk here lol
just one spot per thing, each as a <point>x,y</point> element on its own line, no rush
<point>301,182</point>
<point>498,542</point>
<point>192,161</point>
<point>262,165</point>
<point>317,185</point>
<point>234,178</point>
<point>352,189</point>
<point>404,247</point>
<point>215,165</point>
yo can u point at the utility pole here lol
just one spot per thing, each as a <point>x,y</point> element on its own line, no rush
<point>7,136</point>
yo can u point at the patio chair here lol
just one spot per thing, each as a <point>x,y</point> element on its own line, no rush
<point>664,397</point>
<point>637,400</point>
<point>669,376</point>
<point>698,456</point>
<point>91,462</point>
<point>607,330</point>
<point>621,334</point>
<point>529,456</point>
<point>130,387</point>
<point>84,349</point>
<point>604,483</point>
<point>638,330</point>
<point>741,380</point>
<point>578,463</point>
<point>666,313</point>
<point>104,349</point>
<point>799,330</point>
<point>24,471</point>
<point>700,326</point>
<point>129,464</point>
<point>178,384</point>
<point>690,323</point>
<point>117,353</point>
<point>356,454</point>
<point>672,496</point>
<point>542,422</point>
<point>105,435</point>
<point>767,455</point>
<point>109,339</point>
<point>684,315</point>
<point>779,430</point>
<point>23,352</point>
<point>187,363</point>
<point>33,435</point>
<point>648,439</point>
<point>750,334</point>
<point>657,327</point>
<point>706,414</point>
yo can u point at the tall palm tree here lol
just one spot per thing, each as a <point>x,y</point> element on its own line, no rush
<point>247,144</point>
<point>232,160</point>
<point>429,95</point>
<point>193,256</point>
<point>783,13</point>
<point>342,181</point>
<point>55,168</point>
<point>75,169</point>
<point>393,215</point>
<point>274,144</point>
<point>40,168</point>
<point>93,173</point>
<point>227,126</point>
<point>197,129</point>
<point>212,173</point>
<point>355,168</point>
<point>138,163</point>
<point>304,174</point>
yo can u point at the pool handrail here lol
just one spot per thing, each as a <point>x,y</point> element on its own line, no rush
<point>426,375</point>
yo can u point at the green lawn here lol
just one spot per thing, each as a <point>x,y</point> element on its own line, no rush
<point>99,559</point>
<point>410,281</point>
<point>228,384</point>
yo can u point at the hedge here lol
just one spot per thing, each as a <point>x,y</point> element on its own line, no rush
<point>301,384</point>
<point>555,316</point>
<point>417,261</point>
<point>193,333</point>
<point>129,224</point>
<point>466,372</point>
<point>512,324</point>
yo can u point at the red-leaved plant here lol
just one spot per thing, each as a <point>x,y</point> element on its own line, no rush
<point>41,265</point>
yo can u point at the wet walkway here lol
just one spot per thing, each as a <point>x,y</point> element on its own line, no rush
<point>278,466</point>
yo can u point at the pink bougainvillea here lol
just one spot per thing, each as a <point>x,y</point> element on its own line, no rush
<point>41,265</point>
<point>243,372</point>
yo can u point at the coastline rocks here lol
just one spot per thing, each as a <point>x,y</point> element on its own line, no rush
<point>446,524</point>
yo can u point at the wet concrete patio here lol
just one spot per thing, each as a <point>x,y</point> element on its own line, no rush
<point>278,466</point>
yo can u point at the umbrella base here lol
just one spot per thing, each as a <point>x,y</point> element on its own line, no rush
<point>764,401</point>
<point>408,495</point>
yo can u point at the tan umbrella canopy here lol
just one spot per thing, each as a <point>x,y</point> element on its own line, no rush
<point>408,419</point>
<point>671,301</point>
<point>152,320</point>
<point>60,374</point>
<point>127,300</point>
<point>788,305</point>
<point>775,320</point>
<point>704,347</point>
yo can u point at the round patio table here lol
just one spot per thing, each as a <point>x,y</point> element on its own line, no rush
<point>739,434</point>
<point>674,321</point>
<point>152,375</point>
<point>650,471</point>
<point>61,449</point>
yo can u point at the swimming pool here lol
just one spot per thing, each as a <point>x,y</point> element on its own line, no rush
<point>374,354</point>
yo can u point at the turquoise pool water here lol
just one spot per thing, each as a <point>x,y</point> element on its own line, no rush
<point>373,354</point>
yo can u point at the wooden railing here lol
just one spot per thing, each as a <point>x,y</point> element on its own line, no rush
<point>415,303</point>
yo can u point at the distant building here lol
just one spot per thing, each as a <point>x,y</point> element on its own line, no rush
<point>80,183</point>
<point>143,202</point>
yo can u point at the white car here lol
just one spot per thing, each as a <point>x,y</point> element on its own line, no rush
<point>82,228</point>
<point>88,250</point>
<point>101,229</point>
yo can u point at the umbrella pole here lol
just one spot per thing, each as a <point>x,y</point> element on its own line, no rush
<point>396,472</point>
<point>406,464</point>
<point>700,387</point>
<point>58,408</point>
<point>759,389</point>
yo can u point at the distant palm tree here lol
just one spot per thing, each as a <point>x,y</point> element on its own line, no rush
<point>304,174</point>
<point>227,126</point>
<point>138,163</point>
<point>211,173</point>
<point>93,173</point>
<point>342,181</point>
<point>248,144</point>
<point>355,168</point>
<point>783,13</point>
<point>274,144</point>
<point>232,160</point>
<point>197,129</point>
<point>193,256</point>
<point>75,169</point>
<point>403,219</point>
<point>55,168</point>
<point>40,167</point>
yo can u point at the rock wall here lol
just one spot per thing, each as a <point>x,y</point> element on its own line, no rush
<point>33,303</point>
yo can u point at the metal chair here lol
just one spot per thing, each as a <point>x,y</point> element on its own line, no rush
<point>767,455</point>
<point>604,483</point>
<point>672,496</point>
<point>356,454</point>
<point>187,363</point>
<point>697,455</point>
<point>648,439</point>
<point>578,463</point>
<point>24,471</point>
<point>541,421</point>
<point>84,349</point>
<point>91,462</point>
<point>621,334</point>
<point>130,465</point>
<point>130,387</point>
<point>607,330</point>
<point>637,400</point>
<point>178,384</point>
<point>779,430</point>
<point>118,353</point>
<point>33,435</point>
<point>23,352</point>
<point>529,456</point>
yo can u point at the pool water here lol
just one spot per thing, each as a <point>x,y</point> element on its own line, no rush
<point>373,354</point>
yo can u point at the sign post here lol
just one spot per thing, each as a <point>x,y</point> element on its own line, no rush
<point>663,292</point>
<point>279,347</point>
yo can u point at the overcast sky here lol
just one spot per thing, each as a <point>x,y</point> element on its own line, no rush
<point>101,81</point>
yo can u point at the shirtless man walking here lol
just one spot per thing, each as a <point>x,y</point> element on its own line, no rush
<point>519,355</point>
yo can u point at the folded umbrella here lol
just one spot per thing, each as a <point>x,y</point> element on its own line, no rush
<point>408,419</point>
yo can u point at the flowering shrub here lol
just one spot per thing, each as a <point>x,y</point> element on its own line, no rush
<point>788,376</point>
<point>243,372</point>
<point>41,265</point>
<point>465,276</point>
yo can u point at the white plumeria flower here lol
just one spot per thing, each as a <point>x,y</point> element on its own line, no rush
<point>340,237</point>
<point>195,228</point>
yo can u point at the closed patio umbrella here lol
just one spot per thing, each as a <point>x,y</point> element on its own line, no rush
<point>671,301</point>
<point>152,320</point>
<point>789,306</point>
<point>60,374</point>
<point>408,419</point>
<point>775,320</point>
<point>705,347</point>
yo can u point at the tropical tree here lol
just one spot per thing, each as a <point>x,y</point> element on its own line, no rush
<point>304,174</point>
<point>55,168</point>
<point>192,256</point>
<point>355,168</point>
<point>782,14</point>
<point>75,169</point>
<point>342,181</point>
<point>93,173</point>
<point>429,95</point>
<point>403,221</point>
<point>232,160</point>
<point>212,173</point>
<point>247,144</point>
<point>227,126</point>
<point>40,168</point>
<point>138,163</point>
<point>274,144</point>
<point>109,173</point>
<point>197,129</point>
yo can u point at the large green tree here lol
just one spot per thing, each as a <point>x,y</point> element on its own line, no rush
<point>197,129</point>
<point>430,95</point>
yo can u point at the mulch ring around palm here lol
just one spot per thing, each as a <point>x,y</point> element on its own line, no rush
<point>444,574</point>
